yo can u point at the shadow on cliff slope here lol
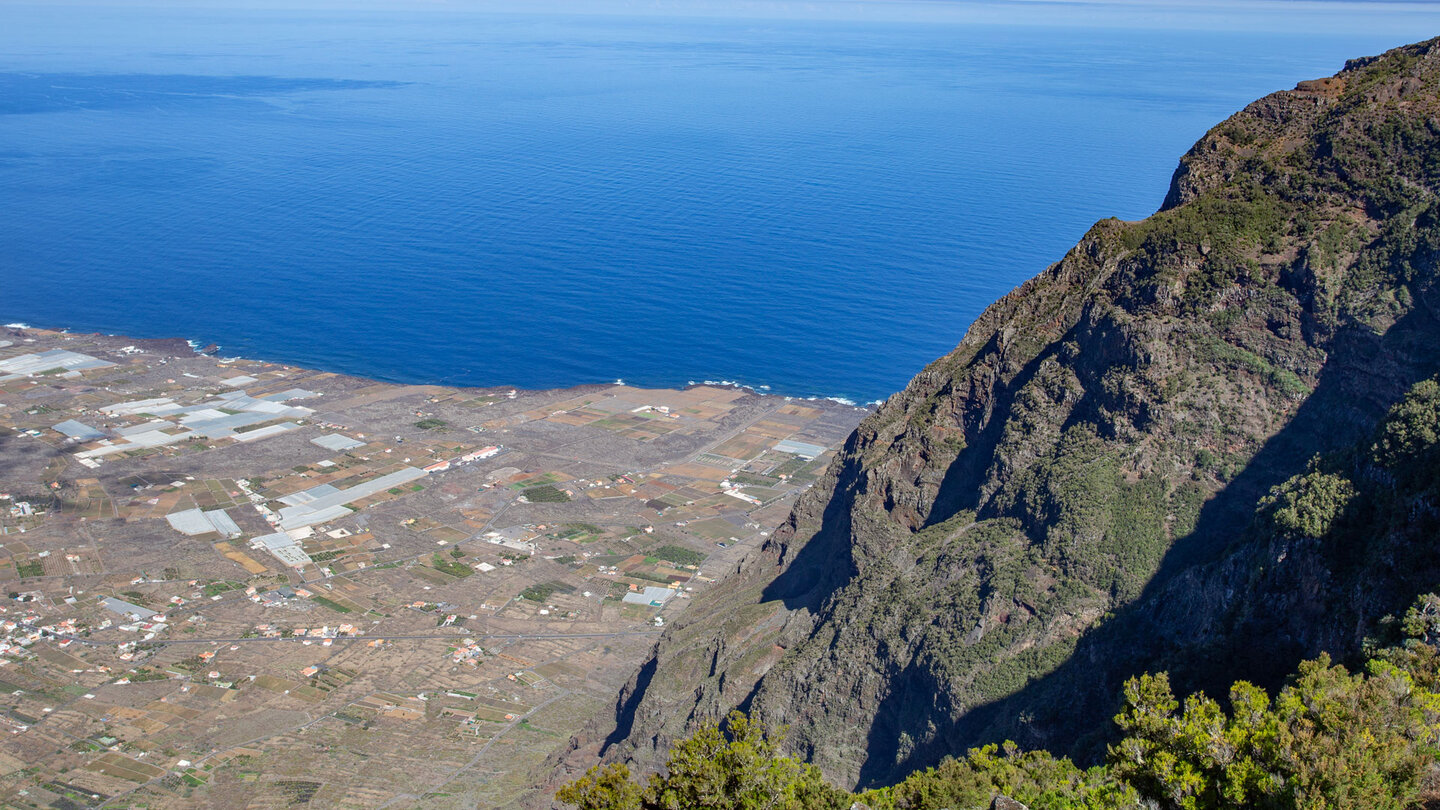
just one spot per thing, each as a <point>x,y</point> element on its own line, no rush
<point>959,489</point>
<point>811,570</point>
<point>1179,629</point>
<point>823,563</point>
<point>628,702</point>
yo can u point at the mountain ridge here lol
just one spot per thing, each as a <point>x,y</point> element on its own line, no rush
<point>1075,493</point>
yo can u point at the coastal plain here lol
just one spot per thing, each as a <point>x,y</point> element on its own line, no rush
<point>239,584</point>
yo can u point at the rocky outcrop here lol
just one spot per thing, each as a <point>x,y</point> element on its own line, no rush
<point>1070,496</point>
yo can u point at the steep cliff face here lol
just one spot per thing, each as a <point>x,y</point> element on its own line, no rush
<point>1075,493</point>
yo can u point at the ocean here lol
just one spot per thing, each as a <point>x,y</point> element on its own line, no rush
<point>813,206</point>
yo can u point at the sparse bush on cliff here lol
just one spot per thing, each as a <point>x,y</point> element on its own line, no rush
<point>1330,740</point>
<point>1307,506</point>
<point>737,769</point>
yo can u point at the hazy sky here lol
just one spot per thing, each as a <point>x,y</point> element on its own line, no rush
<point>1409,20</point>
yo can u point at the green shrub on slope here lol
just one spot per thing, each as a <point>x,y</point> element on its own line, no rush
<point>1330,740</point>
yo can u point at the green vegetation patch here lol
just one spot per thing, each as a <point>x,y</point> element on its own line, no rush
<point>327,556</point>
<point>536,480</point>
<point>450,566</point>
<point>678,554</point>
<point>1225,355</point>
<point>298,791</point>
<point>544,590</point>
<point>545,494</point>
<point>578,532</point>
<point>221,586</point>
<point>332,604</point>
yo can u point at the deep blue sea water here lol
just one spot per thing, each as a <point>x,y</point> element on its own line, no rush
<point>543,200</point>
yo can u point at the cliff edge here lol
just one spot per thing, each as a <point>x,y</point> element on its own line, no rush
<point>1093,483</point>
